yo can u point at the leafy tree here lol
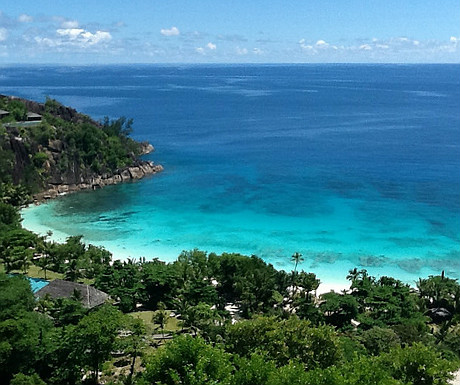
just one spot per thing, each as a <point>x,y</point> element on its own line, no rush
<point>413,330</point>
<point>9,216</point>
<point>121,127</point>
<point>23,379</point>
<point>11,194</point>
<point>189,361</point>
<point>439,292</point>
<point>122,280</point>
<point>290,374</point>
<point>96,336</point>
<point>378,340</point>
<point>23,333</point>
<point>418,364</point>
<point>386,301</point>
<point>66,311</point>
<point>17,109</point>
<point>282,341</point>
<point>73,251</point>
<point>133,343</point>
<point>201,318</point>
<point>15,296</point>
<point>360,371</point>
<point>160,282</point>
<point>339,309</point>
<point>252,370</point>
<point>96,258</point>
<point>16,248</point>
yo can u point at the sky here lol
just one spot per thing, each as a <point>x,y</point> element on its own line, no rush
<point>238,31</point>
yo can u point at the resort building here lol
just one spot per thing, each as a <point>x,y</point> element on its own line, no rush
<point>90,296</point>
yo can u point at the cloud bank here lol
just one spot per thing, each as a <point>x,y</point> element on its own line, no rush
<point>174,31</point>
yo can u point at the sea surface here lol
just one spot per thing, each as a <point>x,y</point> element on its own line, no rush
<point>350,165</point>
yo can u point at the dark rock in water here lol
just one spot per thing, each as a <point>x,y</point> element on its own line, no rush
<point>439,314</point>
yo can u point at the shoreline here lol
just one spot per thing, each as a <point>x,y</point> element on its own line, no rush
<point>332,279</point>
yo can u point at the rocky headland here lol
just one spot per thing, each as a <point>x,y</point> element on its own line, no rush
<point>64,185</point>
<point>59,150</point>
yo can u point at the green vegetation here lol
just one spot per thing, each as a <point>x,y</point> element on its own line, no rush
<point>64,145</point>
<point>274,344</point>
<point>205,318</point>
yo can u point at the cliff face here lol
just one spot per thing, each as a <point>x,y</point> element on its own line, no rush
<point>75,180</point>
<point>68,151</point>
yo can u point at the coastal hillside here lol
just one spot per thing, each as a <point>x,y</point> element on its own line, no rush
<point>48,149</point>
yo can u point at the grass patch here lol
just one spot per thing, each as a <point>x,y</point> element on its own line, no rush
<point>172,324</point>
<point>36,272</point>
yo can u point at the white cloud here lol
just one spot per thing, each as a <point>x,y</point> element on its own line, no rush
<point>209,47</point>
<point>365,47</point>
<point>257,51</point>
<point>241,51</point>
<point>69,24</point>
<point>74,37</point>
<point>321,43</point>
<point>45,41</point>
<point>71,33</point>
<point>3,34</point>
<point>25,18</point>
<point>174,31</point>
<point>305,46</point>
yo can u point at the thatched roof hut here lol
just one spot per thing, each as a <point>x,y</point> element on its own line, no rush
<point>90,296</point>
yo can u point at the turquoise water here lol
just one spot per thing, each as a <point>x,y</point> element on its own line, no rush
<point>37,284</point>
<point>353,166</point>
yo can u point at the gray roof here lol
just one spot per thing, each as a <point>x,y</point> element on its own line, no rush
<point>3,112</point>
<point>59,288</point>
<point>33,115</point>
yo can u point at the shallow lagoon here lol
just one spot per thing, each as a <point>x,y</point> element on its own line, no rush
<point>349,165</point>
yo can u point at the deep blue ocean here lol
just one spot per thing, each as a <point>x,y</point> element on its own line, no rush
<point>350,165</point>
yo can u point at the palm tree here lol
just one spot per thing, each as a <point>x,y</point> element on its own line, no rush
<point>44,263</point>
<point>160,317</point>
<point>297,258</point>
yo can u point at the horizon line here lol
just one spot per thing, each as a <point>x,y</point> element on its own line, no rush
<point>171,64</point>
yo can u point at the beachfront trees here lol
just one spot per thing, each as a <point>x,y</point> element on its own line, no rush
<point>123,281</point>
<point>16,248</point>
<point>9,216</point>
<point>159,280</point>
<point>386,301</point>
<point>338,309</point>
<point>439,292</point>
<point>297,258</point>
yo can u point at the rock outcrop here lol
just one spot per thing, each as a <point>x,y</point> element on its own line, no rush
<point>53,165</point>
<point>138,171</point>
